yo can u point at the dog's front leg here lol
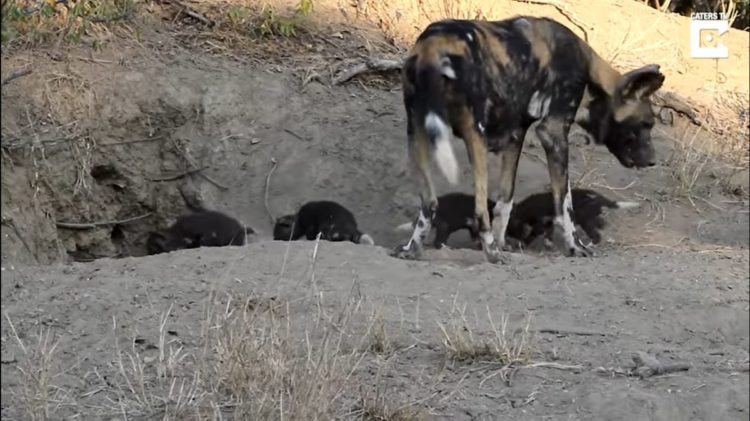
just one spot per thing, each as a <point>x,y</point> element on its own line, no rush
<point>553,134</point>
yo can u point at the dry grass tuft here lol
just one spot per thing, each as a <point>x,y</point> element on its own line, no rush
<point>379,407</point>
<point>503,344</point>
<point>252,362</point>
<point>259,367</point>
<point>70,99</point>
<point>376,405</point>
<point>728,116</point>
<point>380,342</point>
<point>35,391</point>
<point>686,164</point>
<point>692,168</point>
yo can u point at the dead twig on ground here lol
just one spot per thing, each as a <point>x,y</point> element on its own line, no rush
<point>92,225</point>
<point>104,19</point>
<point>677,103</point>
<point>180,175</point>
<point>611,371</point>
<point>291,132</point>
<point>647,365</point>
<point>268,187</point>
<point>563,11</point>
<point>16,74</point>
<point>190,12</point>
<point>371,65</point>
<point>576,332</point>
<point>545,364</point>
<point>128,142</point>
<point>212,181</point>
<point>92,60</point>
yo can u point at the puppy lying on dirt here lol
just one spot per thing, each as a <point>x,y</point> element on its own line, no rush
<point>204,228</point>
<point>530,219</point>
<point>333,221</point>
<point>534,216</point>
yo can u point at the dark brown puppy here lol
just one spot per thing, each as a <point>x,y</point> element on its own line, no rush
<point>205,228</point>
<point>284,227</point>
<point>534,216</point>
<point>332,220</point>
<point>455,212</point>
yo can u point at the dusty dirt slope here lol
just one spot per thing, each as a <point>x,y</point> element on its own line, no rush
<point>683,307</point>
<point>114,133</point>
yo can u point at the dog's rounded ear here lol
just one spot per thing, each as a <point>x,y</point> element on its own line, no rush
<point>640,83</point>
<point>286,220</point>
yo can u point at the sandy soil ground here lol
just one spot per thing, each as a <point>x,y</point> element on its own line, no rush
<point>683,307</point>
<point>115,136</point>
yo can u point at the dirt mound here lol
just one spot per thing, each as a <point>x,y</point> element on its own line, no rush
<point>157,134</point>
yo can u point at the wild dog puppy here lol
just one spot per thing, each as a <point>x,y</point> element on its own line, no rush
<point>332,220</point>
<point>284,227</point>
<point>534,216</point>
<point>455,211</point>
<point>486,83</point>
<point>205,228</point>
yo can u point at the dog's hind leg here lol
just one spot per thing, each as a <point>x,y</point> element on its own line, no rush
<point>509,165</point>
<point>420,158</point>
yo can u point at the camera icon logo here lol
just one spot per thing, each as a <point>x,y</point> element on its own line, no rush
<point>705,39</point>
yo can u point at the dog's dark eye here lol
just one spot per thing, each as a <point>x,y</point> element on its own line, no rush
<point>648,125</point>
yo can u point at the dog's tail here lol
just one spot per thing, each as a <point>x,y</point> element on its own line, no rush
<point>431,68</point>
<point>440,137</point>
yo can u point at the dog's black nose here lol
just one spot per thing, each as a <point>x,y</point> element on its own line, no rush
<point>651,163</point>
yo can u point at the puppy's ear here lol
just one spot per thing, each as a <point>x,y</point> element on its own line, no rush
<point>156,242</point>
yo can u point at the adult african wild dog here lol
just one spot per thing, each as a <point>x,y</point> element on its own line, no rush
<point>486,83</point>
